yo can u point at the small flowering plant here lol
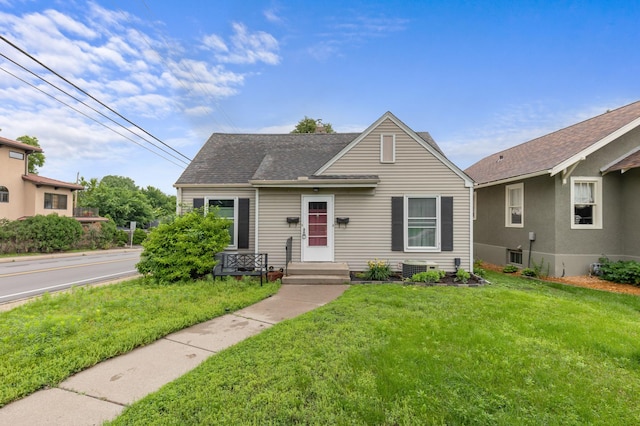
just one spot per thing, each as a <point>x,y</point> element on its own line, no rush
<point>379,270</point>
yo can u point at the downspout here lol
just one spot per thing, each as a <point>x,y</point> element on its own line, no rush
<point>257,216</point>
<point>471,209</point>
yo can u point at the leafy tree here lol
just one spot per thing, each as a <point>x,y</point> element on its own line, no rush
<point>184,249</point>
<point>310,125</point>
<point>163,204</point>
<point>36,159</point>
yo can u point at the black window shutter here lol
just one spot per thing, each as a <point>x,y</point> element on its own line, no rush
<point>397,223</point>
<point>198,203</point>
<point>446,211</point>
<point>243,223</point>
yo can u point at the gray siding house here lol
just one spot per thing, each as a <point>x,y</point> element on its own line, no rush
<point>387,193</point>
<point>567,198</point>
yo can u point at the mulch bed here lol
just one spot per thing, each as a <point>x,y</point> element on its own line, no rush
<point>582,281</point>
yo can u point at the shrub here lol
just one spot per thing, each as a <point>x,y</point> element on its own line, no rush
<point>49,233</point>
<point>462,275</point>
<point>184,249</point>
<point>529,272</point>
<point>540,269</point>
<point>379,270</point>
<point>139,236</point>
<point>510,269</point>
<point>626,272</point>
<point>431,276</point>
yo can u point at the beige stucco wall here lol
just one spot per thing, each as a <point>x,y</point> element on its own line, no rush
<point>11,171</point>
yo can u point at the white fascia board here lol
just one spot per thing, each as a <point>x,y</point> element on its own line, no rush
<point>596,146</point>
<point>513,179</point>
<point>213,185</point>
<point>619,159</point>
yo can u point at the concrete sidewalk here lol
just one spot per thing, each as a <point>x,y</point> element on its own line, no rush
<point>103,391</point>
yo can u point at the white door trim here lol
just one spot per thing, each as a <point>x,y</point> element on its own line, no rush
<point>317,253</point>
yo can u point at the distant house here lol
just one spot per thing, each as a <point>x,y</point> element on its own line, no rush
<point>23,194</point>
<point>567,198</point>
<point>387,193</point>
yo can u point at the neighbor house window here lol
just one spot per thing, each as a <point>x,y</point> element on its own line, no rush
<point>226,209</point>
<point>16,155</point>
<point>4,194</point>
<point>515,257</point>
<point>387,148</point>
<point>586,203</point>
<point>55,201</point>
<point>422,222</point>
<point>514,202</point>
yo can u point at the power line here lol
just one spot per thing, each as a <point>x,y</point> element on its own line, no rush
<point>90,107</point>
<point>89,95</point>
<point>89,117</point>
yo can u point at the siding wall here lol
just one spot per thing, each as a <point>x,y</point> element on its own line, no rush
<point>188,194</point>
<point>415,172</point>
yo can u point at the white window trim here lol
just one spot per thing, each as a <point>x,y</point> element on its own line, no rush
<point>393,147</point>
<point>434,249</point>
<point>507,206</point>
<point>475,205</point>
<point>233,246</point>
<point>597,223</point>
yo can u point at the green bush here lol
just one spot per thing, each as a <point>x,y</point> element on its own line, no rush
<point>626,272</point>
<point>121,238</point>
<point>379,270</point>
<point>139,236</point>
<point>184,249</point>
<point>510,269</point>
<point>431,276</point>
<point>529,272</point>
<point>462,275</point>
<point>48,233</point>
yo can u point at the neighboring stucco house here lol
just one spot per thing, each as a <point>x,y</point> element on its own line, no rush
<point>23,194</point>
<point>387,193</point>
<point>577,190</point>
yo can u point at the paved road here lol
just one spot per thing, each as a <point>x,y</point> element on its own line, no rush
<point>31,276</point>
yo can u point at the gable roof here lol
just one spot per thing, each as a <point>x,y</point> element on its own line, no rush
<point>552,153</point>
<point>19,145</point>
<point>240,158</point>
<point>630,160</point>
<point>41,180</point>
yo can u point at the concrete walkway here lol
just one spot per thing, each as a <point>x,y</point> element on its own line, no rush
<point>103,391</point>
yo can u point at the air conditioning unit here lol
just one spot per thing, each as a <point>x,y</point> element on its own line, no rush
<point>411,267</point>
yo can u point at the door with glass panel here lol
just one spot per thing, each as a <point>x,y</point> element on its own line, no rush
<point>317,228</point>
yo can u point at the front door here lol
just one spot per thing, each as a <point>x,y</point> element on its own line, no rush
<point>317,228</point>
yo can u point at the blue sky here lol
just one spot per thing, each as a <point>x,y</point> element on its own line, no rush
<point>479,76</point>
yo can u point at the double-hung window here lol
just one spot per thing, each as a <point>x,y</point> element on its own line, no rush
<point>514,203</point>
<point>422,223</point>
<point>4,194</point>
<point>586,203</point>
<point>55,201</point>
<point>227,210</point>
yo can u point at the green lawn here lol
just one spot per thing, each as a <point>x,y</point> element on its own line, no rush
<point>49,339</point>
<point>511,353</point>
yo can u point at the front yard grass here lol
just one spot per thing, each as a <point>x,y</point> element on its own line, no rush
<point>49,339</point>
<point>513,352</point>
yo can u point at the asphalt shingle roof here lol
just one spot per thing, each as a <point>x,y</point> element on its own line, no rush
<point>548,151</point>
<point>238,158</point>
<point>632,161</point>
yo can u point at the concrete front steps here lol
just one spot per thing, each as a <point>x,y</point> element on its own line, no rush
<point>317,273</point>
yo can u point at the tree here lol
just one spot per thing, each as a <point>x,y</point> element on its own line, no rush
<point>310,125</point>
<point>36,159</point>
<point>163,204</point>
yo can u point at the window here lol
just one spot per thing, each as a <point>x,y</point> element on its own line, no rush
<point>387,148</point>
<point>55,201</point>
<point>515,257</point>
<point>586,203</point>
<point>4,194</point>
<point>227,210</point>
<point>16,155</point>
<point>422,223</point>
<point>514,215</point>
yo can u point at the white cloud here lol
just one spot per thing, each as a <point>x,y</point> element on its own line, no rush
<point>216,43</point>
<point>272,16</point>
<point>245,47</point>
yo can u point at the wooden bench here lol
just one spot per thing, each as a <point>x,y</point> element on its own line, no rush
<point>239,264</point>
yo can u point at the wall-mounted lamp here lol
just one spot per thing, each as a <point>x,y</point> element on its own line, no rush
<point>457,262</point>
<point>293,220</point>
<point>342,221</point>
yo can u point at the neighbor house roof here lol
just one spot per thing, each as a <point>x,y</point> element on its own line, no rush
<point>41,180</point>
<point>240,158</point>
<point>23,146</point>
<point>630,161</point>
<point>556,151</point>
